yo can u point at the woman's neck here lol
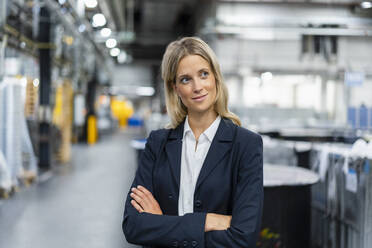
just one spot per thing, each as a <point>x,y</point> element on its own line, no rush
<point>199,122</point>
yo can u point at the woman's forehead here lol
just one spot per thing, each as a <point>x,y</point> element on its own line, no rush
<point>191,63</point>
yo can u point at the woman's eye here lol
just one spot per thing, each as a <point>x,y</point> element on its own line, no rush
<point>204,74</point>
<point>184,80</point>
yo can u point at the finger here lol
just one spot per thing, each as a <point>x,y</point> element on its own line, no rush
<point>138,199</point>
<point>141,198</point>
<point>136,206</point>
<point>138,193</point>
<point>145,191</point>
<point>147,198</point>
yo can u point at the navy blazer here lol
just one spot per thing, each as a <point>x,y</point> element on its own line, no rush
<point>230,182</point>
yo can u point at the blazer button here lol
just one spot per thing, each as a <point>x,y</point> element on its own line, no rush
<point>194,243</point>
<point>198,203</point>
<point>185,243</point>
<point>170,196</point>
<point>175,244</point>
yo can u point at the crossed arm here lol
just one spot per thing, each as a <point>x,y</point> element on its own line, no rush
<point>145,224</point>
<point>144,201</point>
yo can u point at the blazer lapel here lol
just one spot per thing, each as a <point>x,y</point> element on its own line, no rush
<point>173,149</point>
<point>221,144</point>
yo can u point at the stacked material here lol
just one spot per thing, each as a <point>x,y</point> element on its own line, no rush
<point>341,202</point>
<point>29,159</point>
<point>32,96</point>
<point>5,178</point>
<point>17,158</point>
<point>62,118</point>
<point>13,127</point>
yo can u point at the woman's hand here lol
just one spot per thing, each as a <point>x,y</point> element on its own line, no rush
<point>217,222</point>
<point>144,201</point>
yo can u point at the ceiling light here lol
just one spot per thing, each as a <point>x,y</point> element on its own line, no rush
<point>106,32</point>
<point>366,5</point>
<point>266,76</point>
<point>114,52</point>
<point>36,82</point>
<point>99,20</point>
<point>122,58</point>
<point>61,2</point>
<point>90,3</point>
<point>82,28</point>
<point>111,43</point>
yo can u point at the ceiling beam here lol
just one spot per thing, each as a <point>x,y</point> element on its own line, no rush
<point>311,2</point>
<point>107,13</point>
<point>120,13</point>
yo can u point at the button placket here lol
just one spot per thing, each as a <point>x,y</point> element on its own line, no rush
<point>194,243</point>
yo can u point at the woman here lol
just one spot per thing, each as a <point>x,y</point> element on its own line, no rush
<point>199,183</point>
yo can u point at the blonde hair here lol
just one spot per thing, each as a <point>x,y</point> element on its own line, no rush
<point>174,53</point>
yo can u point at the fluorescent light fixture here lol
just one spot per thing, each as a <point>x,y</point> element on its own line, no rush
<point>90,3</point>
<point>366,5</point>
<point>106,32</point>
<point>111,43</point>
<point>145,91</point>
<point>36,82</point>
<point>266,76</point>
<point>115,52</point>
<point>122,58</point>
<point>99,20</point>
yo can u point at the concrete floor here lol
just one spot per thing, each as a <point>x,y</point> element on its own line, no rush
<point>81,205</point>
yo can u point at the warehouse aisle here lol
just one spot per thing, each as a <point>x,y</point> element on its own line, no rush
<point>80,206</point>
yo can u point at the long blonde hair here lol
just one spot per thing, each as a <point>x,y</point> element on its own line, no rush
<point>174,53</point>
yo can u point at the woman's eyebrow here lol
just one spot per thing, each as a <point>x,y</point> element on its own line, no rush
<point>203,70</point>
<point>182,75</point>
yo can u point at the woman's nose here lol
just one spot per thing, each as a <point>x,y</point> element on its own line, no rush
<point>197,85</point>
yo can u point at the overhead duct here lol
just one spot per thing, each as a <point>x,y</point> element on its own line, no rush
<point>287,21</point>
<point>284,33</point>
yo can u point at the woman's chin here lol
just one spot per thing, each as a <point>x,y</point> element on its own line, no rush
<point>201,109</point>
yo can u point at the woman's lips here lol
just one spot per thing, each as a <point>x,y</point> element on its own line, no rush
<point>199,98</point>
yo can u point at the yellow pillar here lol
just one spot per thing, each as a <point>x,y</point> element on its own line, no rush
<point>92,130</point>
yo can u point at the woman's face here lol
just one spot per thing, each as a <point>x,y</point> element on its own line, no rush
<point>195,84</point>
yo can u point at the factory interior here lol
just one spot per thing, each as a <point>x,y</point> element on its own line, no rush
<point>81,90</point>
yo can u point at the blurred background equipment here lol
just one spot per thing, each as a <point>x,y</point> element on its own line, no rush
<point>78,72</point>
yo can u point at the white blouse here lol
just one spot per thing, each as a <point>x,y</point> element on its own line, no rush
<point>192,159</point>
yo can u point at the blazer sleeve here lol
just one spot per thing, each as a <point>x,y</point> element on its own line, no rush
<point>158,230</point>
<point>247,203</point>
